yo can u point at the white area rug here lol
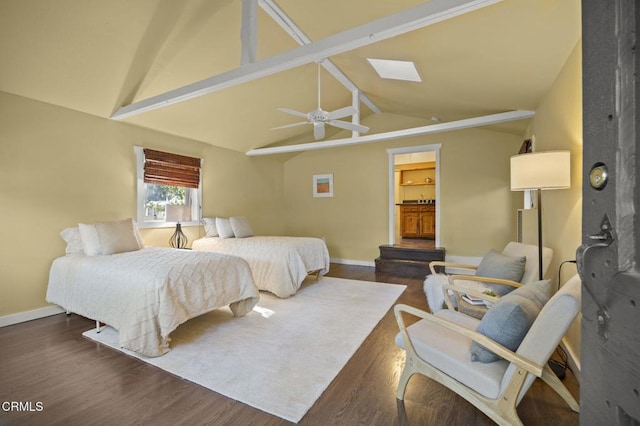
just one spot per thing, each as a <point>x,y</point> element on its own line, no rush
<point>281,356</point>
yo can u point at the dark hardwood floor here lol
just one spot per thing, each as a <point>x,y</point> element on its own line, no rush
<point>79,382</point>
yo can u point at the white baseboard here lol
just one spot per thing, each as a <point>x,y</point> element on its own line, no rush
<point>30,315</point>
<point>353,262</point>
<point>455,259</point>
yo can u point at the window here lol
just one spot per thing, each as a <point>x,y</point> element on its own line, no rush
<point>169,189</point>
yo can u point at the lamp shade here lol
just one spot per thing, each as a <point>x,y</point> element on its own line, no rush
<point>176,213</point>
<point>541,170</point>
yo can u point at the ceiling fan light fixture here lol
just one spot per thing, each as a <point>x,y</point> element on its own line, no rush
<point>319,117</point>
<point>395,70</point>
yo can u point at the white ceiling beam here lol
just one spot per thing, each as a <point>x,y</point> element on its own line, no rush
<point>287,24</point>
<point>355,118</point>
<point>420,16</point>
<point>467,123</point>
<point>249,31</point>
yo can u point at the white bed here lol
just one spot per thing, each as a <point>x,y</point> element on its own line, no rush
<point>279,264</point>
<point>145,294</point>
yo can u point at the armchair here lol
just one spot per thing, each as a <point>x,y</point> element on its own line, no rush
<point>439,346</point>
<point>433,284</point>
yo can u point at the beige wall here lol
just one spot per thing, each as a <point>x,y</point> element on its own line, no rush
<point>477,207</point>
<point>59,167</point>
<point>558,125</point>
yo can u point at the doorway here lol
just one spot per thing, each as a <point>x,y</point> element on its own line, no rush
<point>411,188</point>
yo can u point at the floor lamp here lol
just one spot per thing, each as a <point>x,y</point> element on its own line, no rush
<point>541,171</point>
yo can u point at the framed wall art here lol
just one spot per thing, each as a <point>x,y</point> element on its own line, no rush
<point>323,185</point>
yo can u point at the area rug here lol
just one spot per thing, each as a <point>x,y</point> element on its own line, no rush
<point>280,357</point>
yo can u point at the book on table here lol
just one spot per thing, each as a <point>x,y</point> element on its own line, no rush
<point>472,299</point>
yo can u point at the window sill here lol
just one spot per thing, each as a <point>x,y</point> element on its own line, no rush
<point>162,224</point>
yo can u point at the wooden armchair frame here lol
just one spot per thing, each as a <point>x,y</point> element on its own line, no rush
<point>501,410</point>
<point>440,263</point>
<point>511,249</point>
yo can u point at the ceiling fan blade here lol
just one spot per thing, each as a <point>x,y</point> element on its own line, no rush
<point>349,126</point>
<point>291,125</point>
<point>342,112</point>
<point>318,130</point>
<point>294,112</point>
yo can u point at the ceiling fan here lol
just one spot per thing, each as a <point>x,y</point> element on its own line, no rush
<point>319,118</point>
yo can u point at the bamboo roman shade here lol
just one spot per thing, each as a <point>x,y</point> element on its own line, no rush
<point>163,168</point>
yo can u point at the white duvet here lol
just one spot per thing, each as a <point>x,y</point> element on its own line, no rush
<point>279,264</point>
<point>146,294</point>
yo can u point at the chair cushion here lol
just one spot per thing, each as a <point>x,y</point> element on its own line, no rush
<point>530,251</point>
<point>448,352</point>
<point>509,319</point>
<point>497,265</point>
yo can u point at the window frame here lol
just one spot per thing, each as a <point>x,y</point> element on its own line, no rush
<point>196,207</point>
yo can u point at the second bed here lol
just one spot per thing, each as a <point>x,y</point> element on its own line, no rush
<point>278,264</point>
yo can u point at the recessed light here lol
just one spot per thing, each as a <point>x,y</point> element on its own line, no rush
<point>395,70</point>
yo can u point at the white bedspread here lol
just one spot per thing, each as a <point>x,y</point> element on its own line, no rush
<point>146,294</point>
<point>279,264</point>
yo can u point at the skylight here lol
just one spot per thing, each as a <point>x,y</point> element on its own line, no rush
<point>395,70</point>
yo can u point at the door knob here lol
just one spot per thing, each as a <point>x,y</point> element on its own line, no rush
<point>598,176</point>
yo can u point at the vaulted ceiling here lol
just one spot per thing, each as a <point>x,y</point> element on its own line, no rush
<point>96,56</point>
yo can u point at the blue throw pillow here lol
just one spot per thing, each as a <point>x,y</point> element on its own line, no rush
<point>498,265</point>
<point>509,319</point>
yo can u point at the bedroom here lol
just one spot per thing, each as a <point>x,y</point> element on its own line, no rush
<point>64,161</point>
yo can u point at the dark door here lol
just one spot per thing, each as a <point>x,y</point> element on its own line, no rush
<point>608,259</point>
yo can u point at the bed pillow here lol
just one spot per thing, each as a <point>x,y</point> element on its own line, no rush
<point>138,235</point>
<point>241,227</point>
<point>497,265</point>
<point>117,237</point>
<point>90,240</point>
<point>223,225</point>
<point>508,320</point>
<point>210,227</point>
<point>74,241</point>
